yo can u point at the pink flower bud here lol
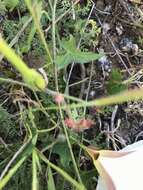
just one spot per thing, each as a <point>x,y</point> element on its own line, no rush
<point>69,122</point>
<point>59,98</point>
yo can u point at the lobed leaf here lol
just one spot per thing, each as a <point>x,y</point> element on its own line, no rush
<point>74,55</point>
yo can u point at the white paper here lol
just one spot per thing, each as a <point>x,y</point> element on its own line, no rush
<point>126,171</point>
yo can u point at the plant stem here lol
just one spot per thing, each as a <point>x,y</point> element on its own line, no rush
<point>13,58</point>
<point>70,147</point>
<point>131,95</point>
<point>61,172</point>
<point>34,13</point>
<point>54,42</point>
<point>30,76</point>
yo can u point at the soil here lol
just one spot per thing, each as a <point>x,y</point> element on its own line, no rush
<point>119,40</point>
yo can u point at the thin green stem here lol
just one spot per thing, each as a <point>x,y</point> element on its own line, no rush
<point>34,12</point>
<point>54,42</point>
<point>48,91</point>
<point>131,95</point>
<point>46,130</point>
<point>51,7</point>
<point>34,171</point>
<point>11,81</point>
<point>70,147</point>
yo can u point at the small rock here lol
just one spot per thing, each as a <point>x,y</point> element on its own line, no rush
<point>92,93</point>
<point>106,27</point>
<point>108,8</point>
<point>128,46</point>
<point>135,49</point>
<point>119,29</point>
<point>105,64</point>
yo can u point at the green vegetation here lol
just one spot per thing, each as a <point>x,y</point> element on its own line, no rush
<point>74,55</point>
<point>115,84</point>
<point>43,129</point>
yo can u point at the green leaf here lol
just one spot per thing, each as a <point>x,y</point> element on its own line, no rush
<point>85,57</point>
<point>63,151</point>
<point>11,172</point>
<point>73,54</point>
<point>70,45</point>
<point>26,47</point>
<point>63,60</point>
<point>51,184</point>
<point>28,148</point>
<point>21,155</point>
<point>87,177</point>
<point>11,4</point>
<point>2,7</point>
<point>115,84</point>
<point>67,177</point>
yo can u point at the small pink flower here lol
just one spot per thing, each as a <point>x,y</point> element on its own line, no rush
<point>69,122</point>
<point>79,125</point>
<point>85,123</point>
<point>59,98</point>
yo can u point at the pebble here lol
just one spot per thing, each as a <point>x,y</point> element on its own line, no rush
<point>105,64</point>
<point>119,29</point>
<point>106,27</point>
<point>128,46</point>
